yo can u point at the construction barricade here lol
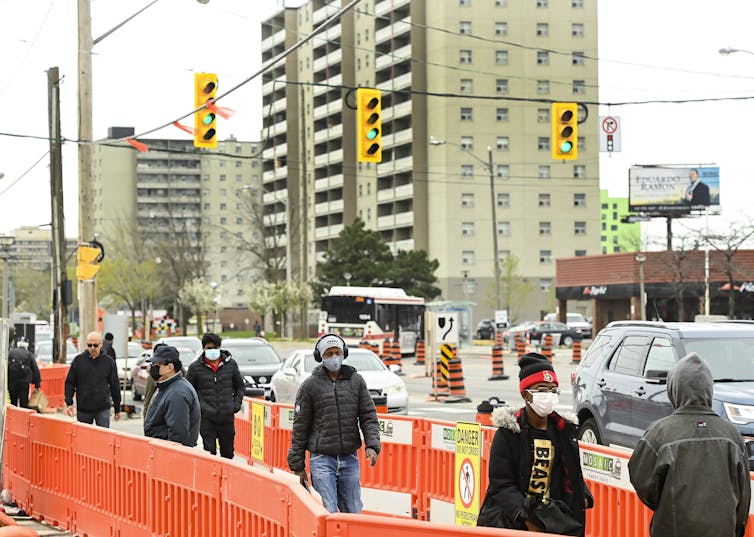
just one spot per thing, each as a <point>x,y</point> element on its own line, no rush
<point>498,368</point>
<point>576,359</point>
<point>53,384</point>
<point>421,353</point>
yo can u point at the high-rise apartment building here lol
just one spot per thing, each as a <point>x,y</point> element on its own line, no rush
<point>32,247</point>
<point>467,86</point>
<point>178,199</point>
<point>617,236</point>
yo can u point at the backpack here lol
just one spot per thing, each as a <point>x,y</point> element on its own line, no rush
<point>18,367</point>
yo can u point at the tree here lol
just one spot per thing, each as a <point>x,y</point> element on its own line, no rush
<point>261,296</point>
<point>125,281</point>
<point>682,263</point>
<point>414,272</point>
<point>514,288</point>
<point>33,289</point>
<point>727,245</point>
<point>199,297</point>
<point>278,298</point>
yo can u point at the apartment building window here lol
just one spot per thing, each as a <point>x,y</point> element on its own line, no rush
<point>579,228</point>
<point>543,3</point>
<point>205,192</point>
<point>615,239</point>
<point>604,226</point>
<point>581,143</point>
<point>465,56</point>
<point>577,29</point>
<point>467,143</point>
<point>467,85</point>
<point>579,253</point>
<point>545,228</point>
<point>577,4</point>
<point>543,143</point>
<point>502,114</point>
<point>613,228</point>
<point>501,28</point>
<point>503,171</point>
<point>503,143</point>
<point>467,200</point>
<point>544,200</point>
<point>467,229</point>
<point>464,27</point>
<point>467,257</point>
<point>502,255</point>
<point>206,206</point>
<point>577,58</point>
<point>464,3</point>
<point>543,171</point>
<point>543,87</point>
<point>545,284</point>
<point>223,220</point>
<point>466,114</point>
<point>579,87</point>
<point>239,178</point>
<point>579,200</point>
<point>543,57</point>
<point>223,206</point>
<point>543,29</point>
<point>545,257</point>
<point>501,57</point>
<point>504,229</point>
<point>239,220</point>
<point>501,86</point>
<point>503,200</point>
<point>501,3</point>
<point>579,171</point>
<point>205,177</point>
<point>467,171</point>
<point>223,177</point>
<point>543,115</point>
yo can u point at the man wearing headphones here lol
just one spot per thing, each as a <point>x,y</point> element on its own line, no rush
<point>331,405</point>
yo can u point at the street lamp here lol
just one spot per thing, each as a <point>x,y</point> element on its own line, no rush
<point>490,167</point>
<point>347,276</point>
<point>641,258</point>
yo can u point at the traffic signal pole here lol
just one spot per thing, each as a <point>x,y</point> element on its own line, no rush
<point>87,291</point>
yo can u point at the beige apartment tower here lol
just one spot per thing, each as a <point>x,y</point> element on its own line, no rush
<point>461,80</point>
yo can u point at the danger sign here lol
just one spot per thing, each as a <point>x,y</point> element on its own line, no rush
<point>468,456</point>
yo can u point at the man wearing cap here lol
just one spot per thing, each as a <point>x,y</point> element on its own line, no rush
<point>331,406</point>
<point>534,461</point>
<point>174,412</point>
<point>94,381</point>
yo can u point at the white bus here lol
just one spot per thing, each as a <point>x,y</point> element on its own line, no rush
<point>373,314</point>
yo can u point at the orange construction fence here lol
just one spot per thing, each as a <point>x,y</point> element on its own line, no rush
<point>53,383</point>
<point>95,482</point>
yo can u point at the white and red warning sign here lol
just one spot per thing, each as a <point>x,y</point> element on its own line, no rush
<point>467,474</point>
<point>609,133</point>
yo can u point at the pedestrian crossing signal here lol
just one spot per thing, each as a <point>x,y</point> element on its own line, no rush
<point>87,258</point>
<point>205,120</point>
<point>565,118</point>
<point>369,125</point>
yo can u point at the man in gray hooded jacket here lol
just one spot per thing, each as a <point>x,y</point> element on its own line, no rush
<point>691,468</point>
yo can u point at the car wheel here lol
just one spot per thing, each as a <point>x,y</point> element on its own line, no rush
<point>136,394</point>
<point>567,341</point>
<point>589,433</point>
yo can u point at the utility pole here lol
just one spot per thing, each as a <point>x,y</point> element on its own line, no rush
<point>494,229</point>
<point>58,227</point>
<point>88,289</point>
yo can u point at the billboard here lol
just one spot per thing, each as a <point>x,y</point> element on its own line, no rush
<point>658,189</point>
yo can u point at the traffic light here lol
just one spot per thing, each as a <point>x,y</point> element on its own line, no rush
<point>369,125</point>
<point>565,129</point>
<point>205,120</point>
<point>87,267</point>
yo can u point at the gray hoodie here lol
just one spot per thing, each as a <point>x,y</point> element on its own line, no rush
<point>691,468</point>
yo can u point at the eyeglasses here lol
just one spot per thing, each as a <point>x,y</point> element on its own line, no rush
<point>545,389</point>
<point>92,345</point>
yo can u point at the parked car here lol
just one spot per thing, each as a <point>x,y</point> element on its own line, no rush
<point>125,363</point>
<point>574,320</point>
<point>619,388</point>
<point>562,334</point>
<point>140,371</point>
<point>381,380</point>
<point>188,342</point>
<point>485,329</point>
<point>257,361</point>
<point>43,352</point>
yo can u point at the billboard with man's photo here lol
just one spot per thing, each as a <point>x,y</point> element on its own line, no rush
<point>658,189</point>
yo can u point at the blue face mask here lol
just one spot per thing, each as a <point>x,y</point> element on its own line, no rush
<point>333,364</point>
<point>212,354</point>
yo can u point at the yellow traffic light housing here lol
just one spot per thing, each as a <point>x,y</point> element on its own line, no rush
<point>565,131</point>
<point>369,125</point>
<point>205,120</point>
<point>87,267</point>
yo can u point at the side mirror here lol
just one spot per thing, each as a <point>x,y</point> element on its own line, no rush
<point>289,371</point>
<point>395,368</point>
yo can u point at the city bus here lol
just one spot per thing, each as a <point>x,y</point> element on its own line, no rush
<point>373,314</point>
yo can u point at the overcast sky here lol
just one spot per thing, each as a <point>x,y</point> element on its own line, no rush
<point>142,76</point>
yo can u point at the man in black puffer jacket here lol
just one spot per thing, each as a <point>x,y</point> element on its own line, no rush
<point>331,405</point>
<point>218,383</point>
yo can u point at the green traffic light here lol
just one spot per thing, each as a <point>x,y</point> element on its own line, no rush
<point>372,134</point>
<point>566,147</point>
<point>208,119</point>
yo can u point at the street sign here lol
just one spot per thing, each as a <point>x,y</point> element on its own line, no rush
<point>501,317</point>
<point>609,134</point>
<point>467,472</point>
<point>446,328</point>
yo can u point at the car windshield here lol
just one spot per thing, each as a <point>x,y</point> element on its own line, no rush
<point>362,361</point>
<point>134,350</point>
<point>730,359</point>
<point>44,348</point>
<point>252,354</point>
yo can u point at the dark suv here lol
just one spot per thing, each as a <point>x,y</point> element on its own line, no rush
<point>485,329</point>
<point>619,388</point>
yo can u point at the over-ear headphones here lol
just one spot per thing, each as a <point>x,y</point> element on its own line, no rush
<point>318,355</point>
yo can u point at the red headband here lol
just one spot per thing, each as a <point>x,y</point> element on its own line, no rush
<point>540,376</point>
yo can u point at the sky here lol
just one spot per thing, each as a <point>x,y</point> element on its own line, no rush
<point>143,77</point>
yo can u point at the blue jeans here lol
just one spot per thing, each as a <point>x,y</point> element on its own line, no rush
<point>336,478</point>
<point>101,418</point>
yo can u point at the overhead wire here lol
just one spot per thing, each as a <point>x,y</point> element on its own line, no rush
<point>24,174</point>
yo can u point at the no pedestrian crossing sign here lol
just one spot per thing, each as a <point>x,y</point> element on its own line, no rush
<point>467,474</point>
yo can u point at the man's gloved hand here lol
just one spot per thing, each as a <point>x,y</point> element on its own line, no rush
<point>371,456</point>
<point>302,476</point>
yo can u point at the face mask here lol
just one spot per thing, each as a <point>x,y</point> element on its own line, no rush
<point>543,403</point>
<point>333,364</point>
<point>154,372</point>
<point>212,354</point>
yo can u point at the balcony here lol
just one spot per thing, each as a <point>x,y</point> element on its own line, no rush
<point>333,33</point>
<point>407,245</point>
<point>272,197</point>
<point>326,183</point>
<point>328,134</point>
<point>399,82</point>
<point>398,28</point>
<point>328,232</point>
<point>281,172</point>
<point>328,207</point>
<point>279,128</point>
<point>267,86</point>
<point>398,138</point>
<point>388,5</point>
<point>395,220</point>
<point>394,166</point>
<point>274,219</point>
<point>386,60</point>
<point>275,39</point>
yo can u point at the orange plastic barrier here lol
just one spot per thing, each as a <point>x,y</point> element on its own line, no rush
<point>576,358</point>
<point>53,383</point>
<point>421,352</point>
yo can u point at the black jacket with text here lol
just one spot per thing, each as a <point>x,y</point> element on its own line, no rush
<point>220,392</point>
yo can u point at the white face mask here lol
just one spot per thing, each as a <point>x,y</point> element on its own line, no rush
<point>543,403</point>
